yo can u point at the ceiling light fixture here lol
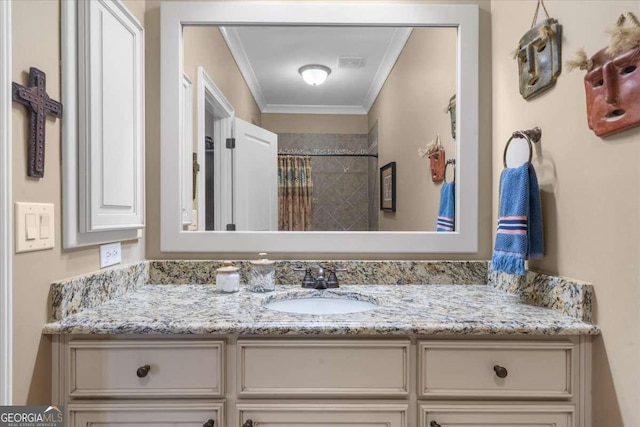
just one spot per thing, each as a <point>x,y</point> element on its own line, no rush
<point>314,74</point>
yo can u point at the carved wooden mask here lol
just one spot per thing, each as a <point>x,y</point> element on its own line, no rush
<point>539,58</point>
<point>613,92</point>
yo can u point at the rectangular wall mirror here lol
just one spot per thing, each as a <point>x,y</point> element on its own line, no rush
<point>277,118</point>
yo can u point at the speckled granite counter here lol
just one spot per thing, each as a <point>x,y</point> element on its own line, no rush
<point>404,310</point>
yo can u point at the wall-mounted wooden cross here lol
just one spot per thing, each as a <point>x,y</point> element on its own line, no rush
<point>40,106</point>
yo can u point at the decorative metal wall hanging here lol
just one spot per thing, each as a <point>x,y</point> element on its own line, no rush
<point>451,109</point>
<point>39,105</point>
<point>539,55</point>
<point>612,82</point>
<point>194,173</point>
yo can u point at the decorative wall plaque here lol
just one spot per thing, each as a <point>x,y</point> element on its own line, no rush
<point>539,55</point>
<point>612,82</point>
<point>39,105</point>
<point>451,109</point>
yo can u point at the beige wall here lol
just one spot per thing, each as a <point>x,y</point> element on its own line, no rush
<point>580,189</point>
<point>34,271</point>
<point>590,197</point>
<point>205,46</point>
<point>315,123</point>
<point>410,111</point>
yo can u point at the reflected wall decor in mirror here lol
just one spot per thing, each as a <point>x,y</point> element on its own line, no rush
<point>276,118</point>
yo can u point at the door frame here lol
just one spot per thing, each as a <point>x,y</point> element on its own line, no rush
<point>209,93</point>
<point>6,219</point>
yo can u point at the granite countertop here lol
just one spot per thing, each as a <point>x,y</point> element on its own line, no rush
<point>404,310</point>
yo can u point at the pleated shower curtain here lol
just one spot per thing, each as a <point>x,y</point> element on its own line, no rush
<point>295,190</point>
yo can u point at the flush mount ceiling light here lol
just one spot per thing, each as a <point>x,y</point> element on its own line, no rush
<point>314,75</point>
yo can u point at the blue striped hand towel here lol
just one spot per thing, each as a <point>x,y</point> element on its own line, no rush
<point>447,211</point>
<point>519,235</point>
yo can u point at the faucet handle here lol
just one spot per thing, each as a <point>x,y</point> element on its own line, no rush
<point>307,281</point>
<point>332,281</point>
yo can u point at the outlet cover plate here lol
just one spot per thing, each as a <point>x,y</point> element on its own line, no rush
<point>110,254</point>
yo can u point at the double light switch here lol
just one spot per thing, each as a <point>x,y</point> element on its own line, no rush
<point>34,226</point>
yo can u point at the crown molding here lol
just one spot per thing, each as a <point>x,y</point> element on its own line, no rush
<point>238,52</point>
<point>313,109</point>
<point>389,59</point>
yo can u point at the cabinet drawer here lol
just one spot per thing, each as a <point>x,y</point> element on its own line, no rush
<point>146,414</point>
<point>303,368</point>
<point>180,368</point>
<point>323,415</point>
<point>497,369</point>
<point>496,415</point>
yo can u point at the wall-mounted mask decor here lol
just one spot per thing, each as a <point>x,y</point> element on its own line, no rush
<point>539,55</point>
<point>451,109</point>
<point>612,82</point>
<point>435,152</point>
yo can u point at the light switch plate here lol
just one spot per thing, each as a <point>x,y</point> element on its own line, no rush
<point>110,254</point>
<point>38,213</point>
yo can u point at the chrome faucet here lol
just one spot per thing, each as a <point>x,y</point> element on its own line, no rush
<point>320,282</point>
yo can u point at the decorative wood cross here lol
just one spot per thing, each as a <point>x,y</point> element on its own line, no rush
<point>40,106</point>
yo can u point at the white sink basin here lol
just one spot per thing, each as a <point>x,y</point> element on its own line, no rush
<point>318,305</point>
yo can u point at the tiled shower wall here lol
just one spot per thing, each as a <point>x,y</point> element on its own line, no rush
<point>340,183</point>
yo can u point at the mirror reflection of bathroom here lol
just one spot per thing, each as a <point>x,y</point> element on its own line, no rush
<point>291,126</point>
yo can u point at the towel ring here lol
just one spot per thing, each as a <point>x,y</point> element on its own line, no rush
<point>529,135</point>
<point>444,175</point>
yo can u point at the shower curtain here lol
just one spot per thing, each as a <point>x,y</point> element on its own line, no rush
<point>295,189</point>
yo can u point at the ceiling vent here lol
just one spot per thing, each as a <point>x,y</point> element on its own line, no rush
<point>352,62</point>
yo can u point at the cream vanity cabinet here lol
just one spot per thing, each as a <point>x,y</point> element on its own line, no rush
<point>531,383</point>
<point>317,382</point>
<point>140,382</point>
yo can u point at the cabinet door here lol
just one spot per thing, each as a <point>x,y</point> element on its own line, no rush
<point>145,414</point>
<point>496,415</point>
<point>322,415</point>
<point>111,99</point>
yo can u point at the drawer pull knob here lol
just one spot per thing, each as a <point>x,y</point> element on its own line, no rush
<point>249,423</point>
<point>434,424</point>
<point>500,371</point>
<point>209,423</point>
<point>143,371</point>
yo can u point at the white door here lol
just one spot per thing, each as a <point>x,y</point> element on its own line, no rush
<point>255,178</point>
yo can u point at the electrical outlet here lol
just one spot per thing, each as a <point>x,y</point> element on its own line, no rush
<point>110,254</point>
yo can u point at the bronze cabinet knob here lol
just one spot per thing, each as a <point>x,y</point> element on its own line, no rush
<point>249,423</point>
<point>209,423</point>
<point>143,371</point>
<point>500,371</point>
<point>434,424</point>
